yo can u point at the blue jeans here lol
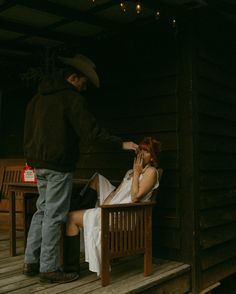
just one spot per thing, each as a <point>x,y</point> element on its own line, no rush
<point>52,208</point>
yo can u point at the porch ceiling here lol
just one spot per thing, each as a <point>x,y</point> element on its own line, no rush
<point>27,26</point>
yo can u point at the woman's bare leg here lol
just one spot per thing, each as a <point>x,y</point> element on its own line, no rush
<point>94,184</point>
<point>74,222</point>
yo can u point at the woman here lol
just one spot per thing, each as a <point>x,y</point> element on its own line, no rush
<point>137,185</point>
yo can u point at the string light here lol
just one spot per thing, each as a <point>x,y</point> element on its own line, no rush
<point>174,23</point>
<point>138,8</point>
<point>122,7</point>
<point>157,15</point>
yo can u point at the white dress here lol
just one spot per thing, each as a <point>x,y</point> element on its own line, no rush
<point>92,217</point>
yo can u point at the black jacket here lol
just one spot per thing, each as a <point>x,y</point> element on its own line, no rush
<point>56,120</point>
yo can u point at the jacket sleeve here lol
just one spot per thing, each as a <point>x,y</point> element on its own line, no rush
<point>87,128</point>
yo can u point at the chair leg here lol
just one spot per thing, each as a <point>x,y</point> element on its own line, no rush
<point>105,278</point>
<point>147,264</point>
<point>148,242</point>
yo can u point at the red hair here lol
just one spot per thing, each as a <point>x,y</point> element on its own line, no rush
<point>153,146</point>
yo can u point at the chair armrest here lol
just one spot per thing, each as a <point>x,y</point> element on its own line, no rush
<point>126,205</point>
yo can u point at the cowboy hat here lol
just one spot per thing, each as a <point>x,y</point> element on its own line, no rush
<point>84,65</point>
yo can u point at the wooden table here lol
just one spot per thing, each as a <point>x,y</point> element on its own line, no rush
<point>27,191</point>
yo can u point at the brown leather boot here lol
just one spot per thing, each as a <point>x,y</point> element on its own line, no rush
<point>57,277</point>
<point>31,269</point>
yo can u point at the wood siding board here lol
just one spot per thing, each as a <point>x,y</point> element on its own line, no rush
<point>218,254</point>
<point>212,70</point>
<point>218,216</point>
<point>217,160</point>
<point>170,237</point>
<point>167,199</point>
<point>216,126</point>
<point>160,123</point>
<point>167,221</point>
<point>219,272</point>
<point>217,235</point>
<point>4,220</point>
<point>217,198</point>
<point>218,93</point>
<point>154,105</point>
<point>216,179</point>
<point>122,160</point>
<point>209,106</point>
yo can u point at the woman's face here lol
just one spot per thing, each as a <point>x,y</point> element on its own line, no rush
<point>146,155</point>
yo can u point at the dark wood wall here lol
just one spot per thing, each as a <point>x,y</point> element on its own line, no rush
<point>216,63</point>
<point>207,121</point>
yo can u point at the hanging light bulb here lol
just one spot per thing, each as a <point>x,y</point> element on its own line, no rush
<point>122,7</point>
<point>93,1</point>
<point>174,23</point>
<point>157,15</point>
<point>138,8</point>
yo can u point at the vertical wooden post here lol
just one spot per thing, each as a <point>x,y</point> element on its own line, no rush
<point>189,155</point>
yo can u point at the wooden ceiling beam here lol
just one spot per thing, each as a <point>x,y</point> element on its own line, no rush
<point>69,13</point>
<point>39,32</point>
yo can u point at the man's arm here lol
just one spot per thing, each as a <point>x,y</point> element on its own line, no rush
<point>87,127</point>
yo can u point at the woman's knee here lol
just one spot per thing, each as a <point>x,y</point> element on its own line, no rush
<point>94,183</point>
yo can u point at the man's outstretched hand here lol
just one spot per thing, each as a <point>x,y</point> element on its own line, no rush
<point>129,146</point>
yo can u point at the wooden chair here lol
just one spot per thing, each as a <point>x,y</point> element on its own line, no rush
<point>11,174</point>
<point>126,230</point>
<point>2,171</point>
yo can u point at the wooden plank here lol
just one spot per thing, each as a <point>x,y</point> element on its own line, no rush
<point>134,283</point>
<point>159,123</point>
<point>2,170</point>
<point>106,160</point>
<point>220,109</point>
<point>217,198</point>
<point>210,89</point>
<point>212,125</point>
<point>166,222</point>
<point>142,284</point>
<point>211,71</point>
<point>175,286</point>
<point>218,272</point>
<point>128,270</point>
<point>219,216</point>
<point>4,205</point>
<point>218,254</point>
<point>225,145</point>
<point>217,180</point>
<point>12,161</point>
<point>155,104</point>
<point>218,158</point>
<point>217,235</point>
<point>4,220</point>
<point>170,237</point>
<point>170,180</point>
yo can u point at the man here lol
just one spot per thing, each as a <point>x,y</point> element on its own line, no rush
<point>56,121</point>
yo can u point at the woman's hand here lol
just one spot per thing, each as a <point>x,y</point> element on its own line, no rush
<point>138,164</point>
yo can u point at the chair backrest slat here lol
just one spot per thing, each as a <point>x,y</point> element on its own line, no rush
<point>12,174</point>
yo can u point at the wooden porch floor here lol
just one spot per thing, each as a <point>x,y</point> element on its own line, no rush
<point>126,276</point>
